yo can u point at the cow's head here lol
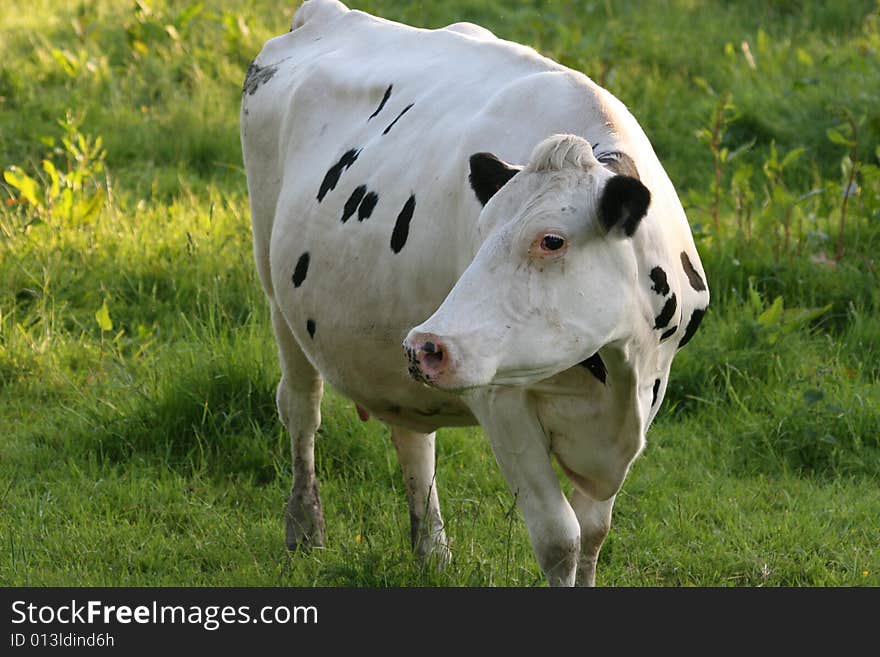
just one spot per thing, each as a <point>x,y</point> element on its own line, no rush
<point>554,279</point>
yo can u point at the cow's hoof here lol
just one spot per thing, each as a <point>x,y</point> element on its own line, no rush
<point>434,551</point>
<point>304,519</point>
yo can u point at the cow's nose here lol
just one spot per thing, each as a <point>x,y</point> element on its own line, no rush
<point>428,356</point>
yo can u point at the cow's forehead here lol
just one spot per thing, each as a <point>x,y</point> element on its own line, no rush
<point>539,195</point>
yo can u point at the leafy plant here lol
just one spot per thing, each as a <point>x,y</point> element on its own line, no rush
<point>846,134</point>
<point>780,199</point>
<point>768,323</point>
<point>713,134</point>
<point>743,199</point>
<point>67,189</point>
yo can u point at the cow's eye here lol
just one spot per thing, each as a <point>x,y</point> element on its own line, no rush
<point>552,242</point>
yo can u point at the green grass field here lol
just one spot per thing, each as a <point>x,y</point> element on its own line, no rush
<point>139,443</point>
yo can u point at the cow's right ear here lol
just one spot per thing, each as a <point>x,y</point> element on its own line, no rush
<point>489,174</point>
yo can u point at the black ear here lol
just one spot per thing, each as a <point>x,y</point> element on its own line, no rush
<point>489,174</point>
<point>624,202</point>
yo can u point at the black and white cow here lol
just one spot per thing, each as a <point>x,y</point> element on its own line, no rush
<point>543,299</point>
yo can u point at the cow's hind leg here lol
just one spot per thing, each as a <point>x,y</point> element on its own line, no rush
<point>299,406</point>
<point>415,451</point>
<point>594,518</point>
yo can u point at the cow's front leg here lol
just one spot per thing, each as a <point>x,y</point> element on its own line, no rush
<point>522,450</point>
<point>594,518</point>
<point>415,451</point>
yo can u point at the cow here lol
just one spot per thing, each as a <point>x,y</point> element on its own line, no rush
<point>452,229</point>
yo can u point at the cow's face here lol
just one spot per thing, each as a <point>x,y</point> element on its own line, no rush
<point>553,280</point>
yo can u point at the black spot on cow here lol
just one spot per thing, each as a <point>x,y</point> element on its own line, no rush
<point>332,175</point>
<point>662,320</point>
<point>660,286</point>
<point>669,333</point>
<point>367,205</point>
<point>596,366</point>
<point>624,202</point>
<point>384,100</point>
<point>401,227</point>
<point>310,327</point>
<point>656,390</point>
<point>692,326</point>
<point>353,202</point>
<point>301,269</point>
<point>391,125</point>
<point>695,279</point>
<point>488,174</point>
<point>620,163</point>
<point>256,77</point>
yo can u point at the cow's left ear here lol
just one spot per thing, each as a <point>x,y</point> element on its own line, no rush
<point>489,174</point>
<point>624,202</point>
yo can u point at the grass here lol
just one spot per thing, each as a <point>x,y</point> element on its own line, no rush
<point>141,447</point>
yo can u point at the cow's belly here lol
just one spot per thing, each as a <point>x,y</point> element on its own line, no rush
<point>370,370</point>
<point>353,304</point>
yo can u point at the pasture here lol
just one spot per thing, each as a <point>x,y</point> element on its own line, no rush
<point>139,442</point>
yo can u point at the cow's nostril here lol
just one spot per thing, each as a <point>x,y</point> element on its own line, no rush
<point>433,356</point>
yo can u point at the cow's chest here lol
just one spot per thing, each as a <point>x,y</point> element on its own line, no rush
<point>581,417</point>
